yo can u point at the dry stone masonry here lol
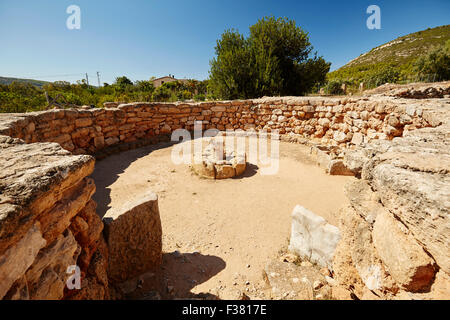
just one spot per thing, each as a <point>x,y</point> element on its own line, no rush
<point>394,235</point>
<point>336,121</point>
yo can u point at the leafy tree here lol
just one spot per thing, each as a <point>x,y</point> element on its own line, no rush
<point>232,70</point>
<point>436,63</point>
<point>334,87</point>
<point>161,93</point>
<point>146,86</point>
<point>274,60</point>
<point>123,82</point>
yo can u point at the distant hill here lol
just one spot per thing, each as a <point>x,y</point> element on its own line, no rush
<point>37,83</point>
<point>400,53</point>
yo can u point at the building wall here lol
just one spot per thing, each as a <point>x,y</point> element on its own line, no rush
<point>158,82</point>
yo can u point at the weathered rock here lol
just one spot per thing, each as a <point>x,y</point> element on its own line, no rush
<point>358,138</point>
<point>225,171</point>
<point>18,258</point>
<point>363,200</point>
<point>405,259</point>
<point>87,228</point>
<point>39,178</point>
<point>344,269</point>
<point>58,218</point>
<point>411,178</point>
<point>205,169</point>
<point>133,234</point>
<point>312,237</point>
<point>18,291</point>
<point>362,251</point>
<point>94,286</point>
<point>337,167</point>
<point>48,275</point>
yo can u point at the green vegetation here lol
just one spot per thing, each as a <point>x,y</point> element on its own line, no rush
<point>276,59</point>
<point>420,56</point>
<point>334,87</point>
<point>436,62</point>
<point>37,83</point>
<point>24,96</point>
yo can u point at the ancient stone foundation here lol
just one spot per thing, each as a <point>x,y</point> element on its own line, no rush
<point>219,160</point>
<point>394,234</point>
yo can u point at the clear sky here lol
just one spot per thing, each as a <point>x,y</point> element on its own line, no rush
<point>144,38</point>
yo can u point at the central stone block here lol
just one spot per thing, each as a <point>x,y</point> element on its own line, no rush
<point>219,160</point>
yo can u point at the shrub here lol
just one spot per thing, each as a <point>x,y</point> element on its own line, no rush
<point>436,64</point>
<point>334,87</point>
<point>161,93</point>
<point>382,76</point>
<point>199,97</point>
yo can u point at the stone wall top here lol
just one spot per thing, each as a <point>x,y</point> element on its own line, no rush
<point>32,178</point>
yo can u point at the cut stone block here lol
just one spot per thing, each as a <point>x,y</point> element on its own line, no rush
<point>133,234</point>
<point>312,237</point>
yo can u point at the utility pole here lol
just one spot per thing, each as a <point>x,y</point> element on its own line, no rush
<point>98,78</point>
<point>87,79</point>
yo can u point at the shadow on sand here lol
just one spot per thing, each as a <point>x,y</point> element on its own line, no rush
<point>177,276</point>
<point>116,165</point>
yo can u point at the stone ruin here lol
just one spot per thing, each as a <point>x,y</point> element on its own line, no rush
<point>218,160</point>
<point>393,235</point>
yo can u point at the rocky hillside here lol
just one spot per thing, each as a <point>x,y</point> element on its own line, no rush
<point>399,53</point>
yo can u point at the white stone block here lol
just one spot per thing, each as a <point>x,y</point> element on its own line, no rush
<point>312,237</point>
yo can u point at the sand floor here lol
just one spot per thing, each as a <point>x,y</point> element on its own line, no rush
<point>219,234</point>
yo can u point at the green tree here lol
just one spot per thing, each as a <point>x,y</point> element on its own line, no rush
<point>231,71</point>
<point>436,64</point>
<point>162,93</point>
<point>123,82</point>
<point>274,60</point>
<point>145,86</point>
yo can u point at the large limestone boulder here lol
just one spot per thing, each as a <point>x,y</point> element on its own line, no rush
<point>133,234</point>
<point>363,200</point>
<point>406,260</point>
<point>410,176</point>
<point>357,233</point>
<point>312,237</point>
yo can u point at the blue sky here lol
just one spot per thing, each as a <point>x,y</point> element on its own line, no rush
<point>144,38</point>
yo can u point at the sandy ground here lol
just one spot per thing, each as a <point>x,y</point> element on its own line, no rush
<point>219,234</point>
